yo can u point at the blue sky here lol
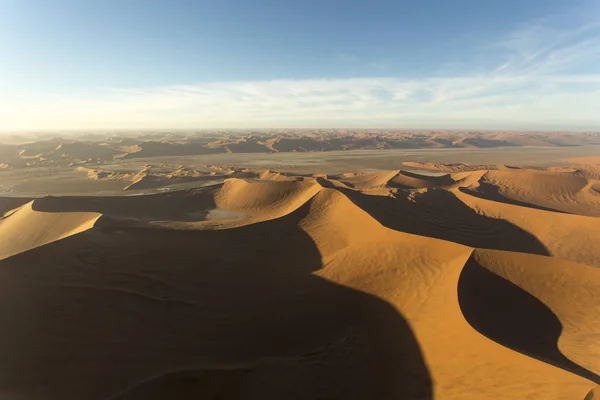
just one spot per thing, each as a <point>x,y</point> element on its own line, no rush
<point>91,64</point>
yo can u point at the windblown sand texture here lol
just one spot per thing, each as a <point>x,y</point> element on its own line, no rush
<point>470,284</point>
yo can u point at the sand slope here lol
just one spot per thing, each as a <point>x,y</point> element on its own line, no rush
<point>24,228</point>
<point>265,198</point>
<point>384,287</point>
<point>565,192</point>
<point>409,180</point>
<point>367,180</point>
<point>570,237</point>
<point>574,319</point>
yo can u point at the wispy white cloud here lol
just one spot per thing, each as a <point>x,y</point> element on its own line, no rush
<point>537,86</point>
<point>538,48</point>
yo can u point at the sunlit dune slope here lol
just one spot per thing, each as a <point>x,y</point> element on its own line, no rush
<point>420,276</point>
<point>570,294</point>
<point>566,236</point>
<point>191,205</point>
<point>367,180</point>
<point>265,198</point>
<point>564,192</point>
<point>25,228</point>
<point>408,180</point>
<point>273,176</point>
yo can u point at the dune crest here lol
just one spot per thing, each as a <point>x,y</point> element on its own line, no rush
<point>566,236</point>
<point>265,199</point>
<point>367,180</point>
<point>553,329</point>
<point>557,191</point>
<point>25,228</point>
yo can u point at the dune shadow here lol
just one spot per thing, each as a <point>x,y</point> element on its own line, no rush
<point>487,191</point>
<point>428,180</point>
<point>131,313</point>
<point>328,184</point>
<point>440,214</point>
<point>10,203</point>
<point>325,182</point>
<point>509,315</point>
<point>184,205</point>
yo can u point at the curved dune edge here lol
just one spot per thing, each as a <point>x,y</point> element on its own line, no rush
<point>594,394</point>
<point>566,236</point>
<point>25,228</point>
<point>402,179</point>
<point>577,326</point>
<point>561,191</point>
<point>368,179</point>
<point>572,191</point>
<point>267,174</point>
<point>411,180</point>
<point>265,199</point>
<point>428,300</point>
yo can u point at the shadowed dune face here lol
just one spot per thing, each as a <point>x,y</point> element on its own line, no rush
<point>10,203</point>
<point>441,215</point>
<point>408,180</point>
<point>594,394</point>
<point>215,314</point>
<point>176,206</point>
<point>512,317</point>
<point>565,236</point>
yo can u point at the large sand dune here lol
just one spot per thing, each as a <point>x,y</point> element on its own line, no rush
<point>570,192</point>
<point>475,284</point>
<point>25,228</point>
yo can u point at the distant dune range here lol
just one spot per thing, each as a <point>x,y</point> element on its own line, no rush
<point>466,283</point>
<point>36,150</point>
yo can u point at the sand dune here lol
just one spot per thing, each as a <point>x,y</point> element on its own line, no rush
<point>572,320</point>
<point>383,285</point>
<point>409,180</point>
<point>8,204</point>
<point>265,198</point>
<point>566,192</point>
<point>24,228</point>
<point>367,180</point>
<point>191,205</point>
<point>273,176</point>
<point>570,237</point>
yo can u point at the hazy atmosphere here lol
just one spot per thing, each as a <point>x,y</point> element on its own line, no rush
<point>232,63</point>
